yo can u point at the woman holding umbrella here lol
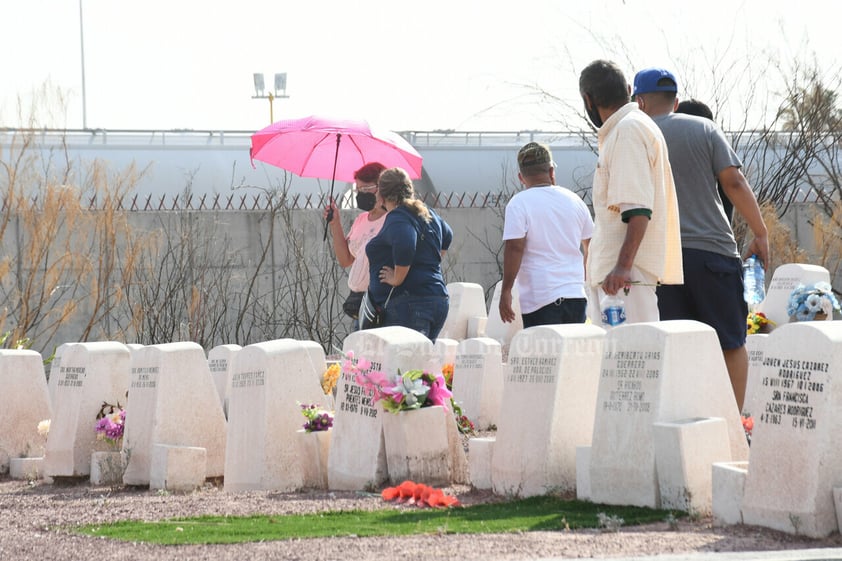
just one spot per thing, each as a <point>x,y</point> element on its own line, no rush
<point>405,258</point>
<point>350,249</point>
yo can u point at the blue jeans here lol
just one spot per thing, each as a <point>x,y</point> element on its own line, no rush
<point>563,310</point>
<point>424,314</point>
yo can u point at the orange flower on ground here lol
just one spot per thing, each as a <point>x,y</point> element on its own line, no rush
<point>419,495</point>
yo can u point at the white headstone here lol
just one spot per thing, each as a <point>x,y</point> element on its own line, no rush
<point>357,457</point>
<point>549,395</point>
<point>24,402</point>
<point>467,300</point>
<point>494,327</point>
<point>55,365</point>
<point>220,359</point>
<point>753,401</point>
<point>478,380</point>
<point>655,373</point>
<point>784,281</point>
<point>172,401</point>
<point>796,460</point>
<point>446,350</point>
<point>268,382</point>
<point>90,375</point>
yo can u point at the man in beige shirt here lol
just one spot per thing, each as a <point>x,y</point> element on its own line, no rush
<point>636,243</point>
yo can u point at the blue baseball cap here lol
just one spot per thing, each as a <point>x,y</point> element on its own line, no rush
<point>646,81</point>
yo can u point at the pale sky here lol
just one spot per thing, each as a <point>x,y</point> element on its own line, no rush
<point>431,64</point>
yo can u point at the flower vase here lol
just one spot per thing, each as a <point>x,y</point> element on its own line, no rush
<point>313,449</point>
<point>107,468</point>
<point>820,316</point>
<point>417,446</point>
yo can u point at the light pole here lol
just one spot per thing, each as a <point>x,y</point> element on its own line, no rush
<point>279,92</point>
<point>82,45</point>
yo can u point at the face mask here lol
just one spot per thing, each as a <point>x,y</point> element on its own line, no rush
<point>366,201</point>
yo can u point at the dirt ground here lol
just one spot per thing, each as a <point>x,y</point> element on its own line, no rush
<point>33,518</point>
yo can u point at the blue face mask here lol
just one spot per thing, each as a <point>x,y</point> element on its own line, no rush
<point>366,201</point>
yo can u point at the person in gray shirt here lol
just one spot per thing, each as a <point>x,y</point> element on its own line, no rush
<point>700,155</point>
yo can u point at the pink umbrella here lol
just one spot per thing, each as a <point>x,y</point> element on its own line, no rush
<point>331,148</point>
<point>335,148</point>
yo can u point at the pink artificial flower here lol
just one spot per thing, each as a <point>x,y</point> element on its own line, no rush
<point>439,394</point>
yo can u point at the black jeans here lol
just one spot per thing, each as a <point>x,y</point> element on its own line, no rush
<point>563,310</point>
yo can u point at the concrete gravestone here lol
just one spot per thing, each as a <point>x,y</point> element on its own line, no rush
<point>90,374</point>
<point>358,456</point>
<point>478,380</point>
<point>446,351</point>
<point>495,328</point>
<point>24,402</point>
<point>784,280</point>
<point>547,410</point>
<point>173,402</point>
<point>796,460</point>
<point>669,372</point>
<point>467,301</point>
<point>268,381</point>
<point>755,345</point>
<point>55,366</point>
<point>220,359</point>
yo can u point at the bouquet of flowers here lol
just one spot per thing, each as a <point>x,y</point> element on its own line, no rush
<point>317,419</point>
<point>807,301</point>
<point>757,322</point>
<point>110,422</point>
<point>330,377</point>
<point>402,391</point>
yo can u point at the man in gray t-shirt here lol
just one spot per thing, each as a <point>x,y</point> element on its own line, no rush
<point>700,155</point>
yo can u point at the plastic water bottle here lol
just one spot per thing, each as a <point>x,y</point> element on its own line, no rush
<point>613,310</point>
<point>754,281</point>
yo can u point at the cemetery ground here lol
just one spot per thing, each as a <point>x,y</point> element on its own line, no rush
<point>34,517</point>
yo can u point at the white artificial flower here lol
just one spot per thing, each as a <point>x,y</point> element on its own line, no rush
<point>44,427</point>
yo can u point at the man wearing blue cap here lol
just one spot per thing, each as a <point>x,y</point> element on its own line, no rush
<point>713,287</point>
<point>636,242</point>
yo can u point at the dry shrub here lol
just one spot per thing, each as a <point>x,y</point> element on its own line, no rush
<point>827,239</point>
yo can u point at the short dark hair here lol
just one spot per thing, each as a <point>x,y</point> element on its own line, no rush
<point>694,107</point>
<point>369,173</point>
<point>605,83</point>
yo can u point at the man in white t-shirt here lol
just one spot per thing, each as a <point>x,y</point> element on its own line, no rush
<point>546,232</point>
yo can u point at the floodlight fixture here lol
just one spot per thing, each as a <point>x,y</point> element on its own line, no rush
<point>259,84</point>
<point>280,90</point>
<point>280,84</point>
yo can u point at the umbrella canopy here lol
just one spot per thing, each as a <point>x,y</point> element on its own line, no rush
<point>331,148</point>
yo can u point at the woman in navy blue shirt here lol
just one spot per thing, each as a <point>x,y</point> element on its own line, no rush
<point>405,258</point>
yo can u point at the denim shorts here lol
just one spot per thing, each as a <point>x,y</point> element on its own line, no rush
<point>424,314</point>
<point>712,293</point>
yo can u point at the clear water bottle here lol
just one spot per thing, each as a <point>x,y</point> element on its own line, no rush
<point>754,281</point>
<point>613,310</point>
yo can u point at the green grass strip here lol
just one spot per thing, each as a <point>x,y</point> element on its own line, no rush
<point>525,515</point>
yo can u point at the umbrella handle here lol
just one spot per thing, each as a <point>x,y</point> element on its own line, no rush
<point>332,179</point>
